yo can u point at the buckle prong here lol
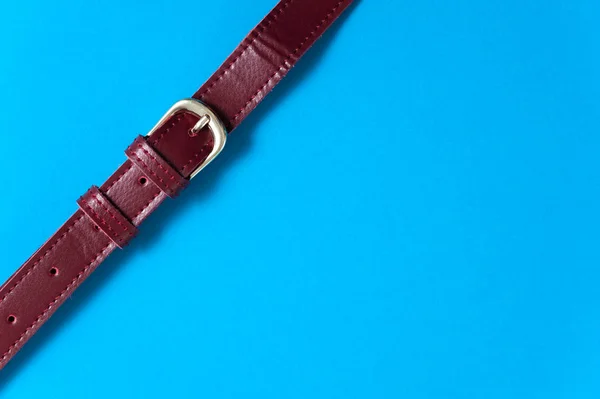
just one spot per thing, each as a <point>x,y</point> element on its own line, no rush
<point>202,122</point>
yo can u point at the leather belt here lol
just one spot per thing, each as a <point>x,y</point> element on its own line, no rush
<point>158,166</point>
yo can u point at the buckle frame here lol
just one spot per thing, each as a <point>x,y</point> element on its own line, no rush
<point>207,117</point>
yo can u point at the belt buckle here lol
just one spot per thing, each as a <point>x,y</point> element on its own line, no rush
<point>207,117</point>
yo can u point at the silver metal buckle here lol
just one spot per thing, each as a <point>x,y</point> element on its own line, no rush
<point>207,117</point>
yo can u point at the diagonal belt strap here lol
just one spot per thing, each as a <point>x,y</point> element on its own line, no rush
<point>158,166</point>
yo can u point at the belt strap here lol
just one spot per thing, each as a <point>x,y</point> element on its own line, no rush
<point>158,166</point>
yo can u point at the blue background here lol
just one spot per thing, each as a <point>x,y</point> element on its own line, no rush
<point>413,213</point>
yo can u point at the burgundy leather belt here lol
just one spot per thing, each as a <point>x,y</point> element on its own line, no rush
<point>160,165</point>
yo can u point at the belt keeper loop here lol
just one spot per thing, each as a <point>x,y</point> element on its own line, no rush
<point>107,217</point>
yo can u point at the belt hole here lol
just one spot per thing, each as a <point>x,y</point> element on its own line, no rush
<point>12,319</point>
<point>96,227</point>
<point>53,271</point>
<point>143,180</point>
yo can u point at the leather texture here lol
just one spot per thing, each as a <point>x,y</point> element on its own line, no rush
<point>157,167</point>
